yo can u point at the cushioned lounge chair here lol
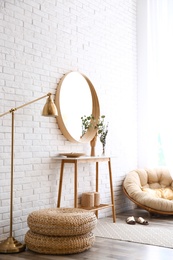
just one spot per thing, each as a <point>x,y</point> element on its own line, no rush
<point>150,189</point>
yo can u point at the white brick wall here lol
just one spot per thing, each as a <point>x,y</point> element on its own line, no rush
<point>39,42</point>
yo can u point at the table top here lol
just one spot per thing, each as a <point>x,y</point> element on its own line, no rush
<point>83,158</point>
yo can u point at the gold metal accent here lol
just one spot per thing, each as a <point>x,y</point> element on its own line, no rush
<point>50,108</point>
<point>11,245</point>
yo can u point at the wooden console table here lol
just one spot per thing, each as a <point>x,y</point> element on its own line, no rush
<point>87,159</point>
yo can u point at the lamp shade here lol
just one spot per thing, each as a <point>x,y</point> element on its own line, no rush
<point>50,108</point>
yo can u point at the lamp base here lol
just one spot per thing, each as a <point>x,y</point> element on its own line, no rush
<point>11,245</point>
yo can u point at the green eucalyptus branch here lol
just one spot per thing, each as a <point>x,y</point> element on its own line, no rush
<point>100,125</point>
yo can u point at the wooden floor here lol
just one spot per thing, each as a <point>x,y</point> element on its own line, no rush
<point>107,249</point>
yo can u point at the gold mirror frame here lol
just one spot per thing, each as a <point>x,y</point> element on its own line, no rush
<point>89,135</point>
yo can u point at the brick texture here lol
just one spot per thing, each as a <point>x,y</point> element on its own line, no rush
<point>39,42</point>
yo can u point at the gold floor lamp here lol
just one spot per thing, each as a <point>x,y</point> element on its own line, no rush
<point>11,245</point>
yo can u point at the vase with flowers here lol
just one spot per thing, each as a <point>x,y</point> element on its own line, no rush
<point>101,130</point>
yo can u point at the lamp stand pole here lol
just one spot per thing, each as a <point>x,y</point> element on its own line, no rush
<point>11,245</point>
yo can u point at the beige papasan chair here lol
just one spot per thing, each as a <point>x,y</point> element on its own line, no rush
<point>150,189</point>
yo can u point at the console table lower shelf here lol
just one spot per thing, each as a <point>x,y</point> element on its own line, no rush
<point>101,206</point>
<point>87,159</point>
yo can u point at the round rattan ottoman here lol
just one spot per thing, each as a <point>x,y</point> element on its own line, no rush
<point>60,230</point>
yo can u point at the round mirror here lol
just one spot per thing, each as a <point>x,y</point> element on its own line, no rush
<point>75,98</point>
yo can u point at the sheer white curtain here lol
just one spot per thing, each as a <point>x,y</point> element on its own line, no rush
<point>159,84</point>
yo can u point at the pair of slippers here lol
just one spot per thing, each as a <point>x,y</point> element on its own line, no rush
<point>133,221</point>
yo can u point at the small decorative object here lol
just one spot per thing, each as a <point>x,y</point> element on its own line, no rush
<point>87,200</point>
<point>72,155</point>
<point>102,132</point>
<point>93,145</point>
<point>100,126</point>
<point>96,199</point>
<point>103,135</point>
<point>90,200</point>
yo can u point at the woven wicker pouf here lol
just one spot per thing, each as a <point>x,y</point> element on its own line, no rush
<point>60,230</point>
<point>59,245</point>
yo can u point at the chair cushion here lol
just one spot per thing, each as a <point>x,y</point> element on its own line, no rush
<point>165,193</point>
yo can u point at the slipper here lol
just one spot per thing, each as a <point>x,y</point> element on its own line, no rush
<point>142,221</point>
<point>131,220</point>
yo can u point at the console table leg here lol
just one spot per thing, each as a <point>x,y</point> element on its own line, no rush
<point>75,186</point>
<point>60,184</point>
<point>97,182</point>
<point>112,192</point>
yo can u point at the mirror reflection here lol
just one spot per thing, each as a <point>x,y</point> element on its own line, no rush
<point>75,97</point>
<point>76,100</point>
